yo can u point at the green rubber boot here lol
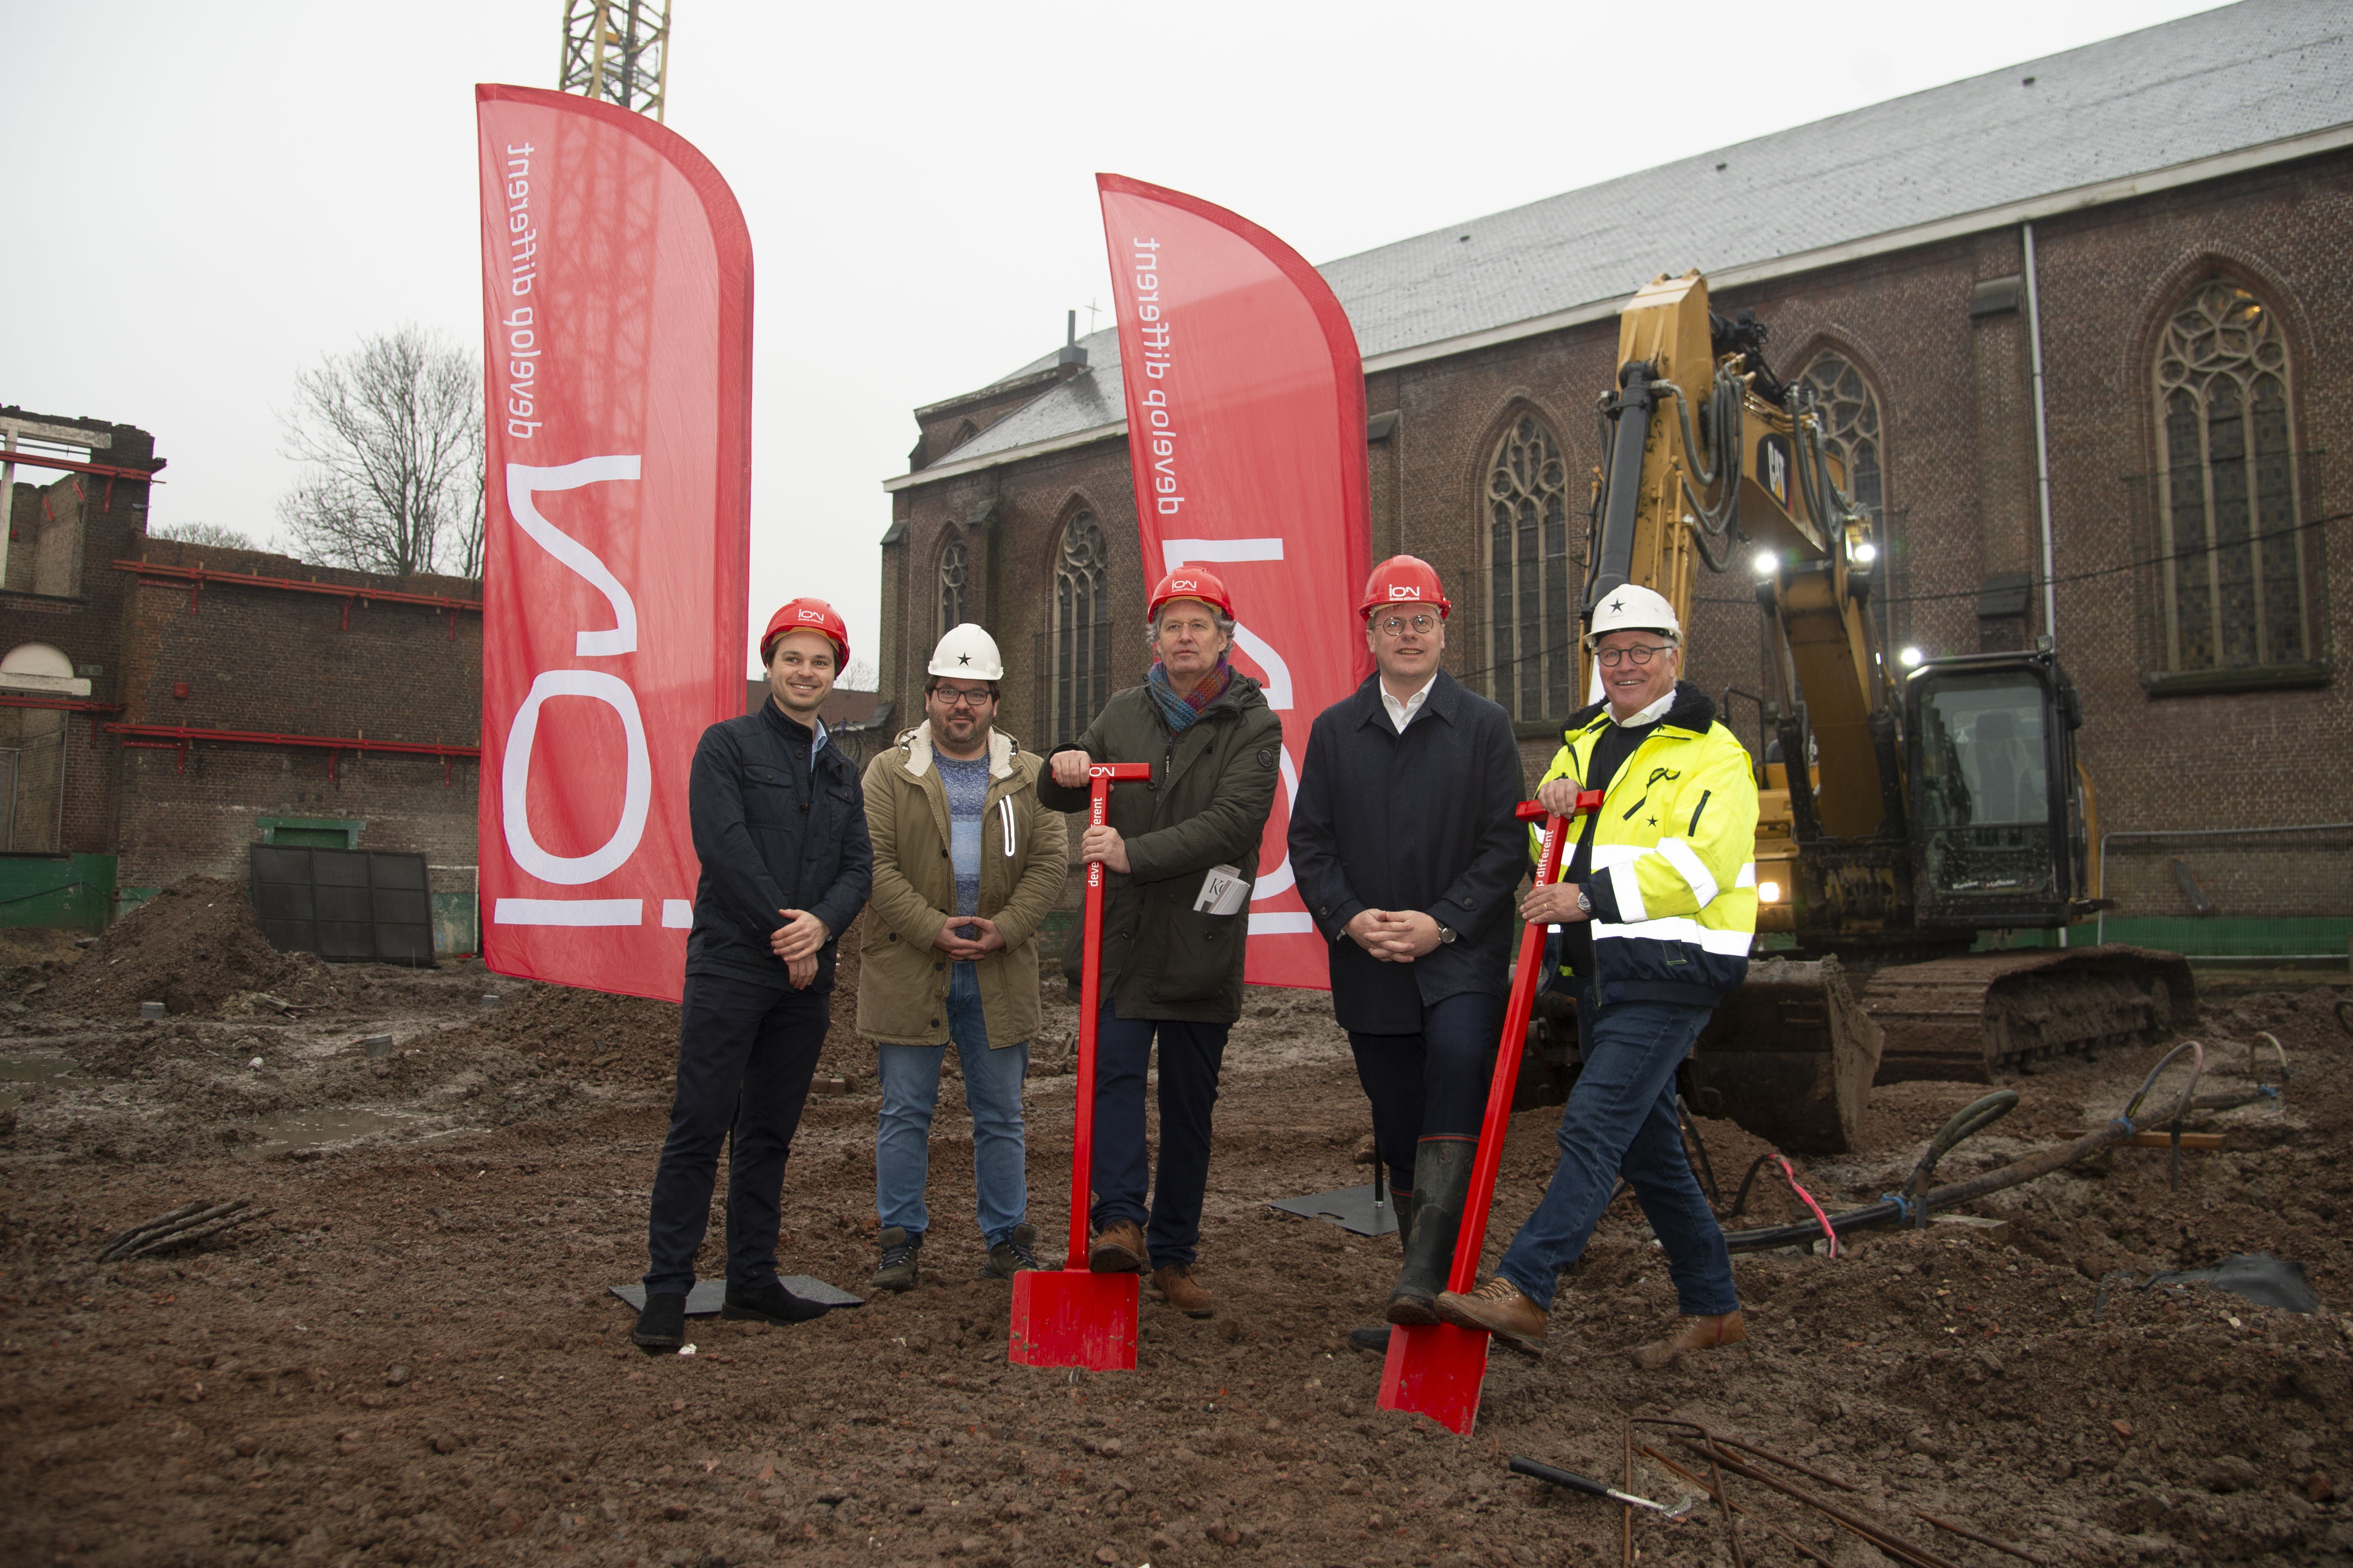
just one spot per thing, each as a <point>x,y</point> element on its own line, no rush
<point>1442,1182</point>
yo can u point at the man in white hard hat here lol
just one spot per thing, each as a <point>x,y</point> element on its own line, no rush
<point>967,863</point>
<point>1657,907</point>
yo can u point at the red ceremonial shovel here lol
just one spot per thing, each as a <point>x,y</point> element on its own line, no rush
<point>1069,1316</point>
<point>1438,1368</point>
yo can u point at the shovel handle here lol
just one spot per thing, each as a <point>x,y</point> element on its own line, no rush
<point>1101,776</point>
<point>1569,1479</point>
<point>1471,1237</point>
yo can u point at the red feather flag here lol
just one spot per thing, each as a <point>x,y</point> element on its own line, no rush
<point>1246,434</point>
<point>616,319</point>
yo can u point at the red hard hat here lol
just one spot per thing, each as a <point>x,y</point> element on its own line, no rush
<point>1403,579</point>
<point>806,616</point>
<point>1190,582</point>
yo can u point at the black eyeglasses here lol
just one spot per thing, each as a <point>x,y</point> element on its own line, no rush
<point>1609,657</point>
<point>962,699</point>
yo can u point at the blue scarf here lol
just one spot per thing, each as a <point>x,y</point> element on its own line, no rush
<point>1180,712</point>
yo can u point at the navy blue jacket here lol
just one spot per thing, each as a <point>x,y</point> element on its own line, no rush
<point>1418,821</point>
<point>774,832</point>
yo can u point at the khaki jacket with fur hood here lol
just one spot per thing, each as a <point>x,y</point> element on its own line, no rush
<point>903,984</point>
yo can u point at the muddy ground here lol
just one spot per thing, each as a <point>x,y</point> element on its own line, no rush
<point>415,1359</point>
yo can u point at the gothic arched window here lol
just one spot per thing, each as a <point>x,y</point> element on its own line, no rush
<point>955,564</point>
<point>1850,417</point>
<point>2233,573</point>
<point>1529,648</point>
<point>1082,627</point>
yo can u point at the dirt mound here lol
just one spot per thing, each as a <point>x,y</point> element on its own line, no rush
<point>192,947</point>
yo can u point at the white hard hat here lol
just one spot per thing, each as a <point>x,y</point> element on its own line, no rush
<point>968,652</point>
<point>1629,608</point>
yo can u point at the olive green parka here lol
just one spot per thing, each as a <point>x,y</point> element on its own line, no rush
<point>1025,854</point>
<point>1205,806</point>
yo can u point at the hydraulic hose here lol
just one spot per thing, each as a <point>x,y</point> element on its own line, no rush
<point>1895,1207</point>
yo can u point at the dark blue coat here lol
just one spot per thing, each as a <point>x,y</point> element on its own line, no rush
<point>1418,821</point>
<point>775,831</point>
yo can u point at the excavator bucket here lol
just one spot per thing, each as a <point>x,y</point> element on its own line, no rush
<point>1790,1057</point>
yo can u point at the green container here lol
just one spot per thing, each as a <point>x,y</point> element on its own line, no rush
<point>63,892</point>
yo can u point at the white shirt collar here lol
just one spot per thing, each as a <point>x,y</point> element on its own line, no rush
<point>1402,713</point>
<point>1655,711</point>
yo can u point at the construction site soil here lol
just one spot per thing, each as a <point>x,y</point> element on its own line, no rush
<point>414,1357</point>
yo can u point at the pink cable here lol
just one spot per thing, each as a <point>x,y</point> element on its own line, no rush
<point>1807,1199</point>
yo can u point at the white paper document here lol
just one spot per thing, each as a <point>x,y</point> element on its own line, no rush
<point>1224,891</point>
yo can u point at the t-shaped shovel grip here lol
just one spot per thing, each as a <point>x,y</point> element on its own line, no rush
<point>1101,776</point>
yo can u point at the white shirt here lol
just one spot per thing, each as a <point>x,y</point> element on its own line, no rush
<point>1401,713</point>
<point>1656,710</point>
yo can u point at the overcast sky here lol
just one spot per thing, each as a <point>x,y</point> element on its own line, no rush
<point>202,202</point>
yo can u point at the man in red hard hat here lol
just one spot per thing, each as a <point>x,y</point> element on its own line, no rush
<point>1179,855</point>
<point>1407,849</point>
<point>780,828</point>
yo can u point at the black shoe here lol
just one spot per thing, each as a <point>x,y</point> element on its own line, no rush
<point>662,1325</point>
<point>898,1268</point>
<point>770,1304</point>
<point>1374,1340</point>
<point>1012,1255</point>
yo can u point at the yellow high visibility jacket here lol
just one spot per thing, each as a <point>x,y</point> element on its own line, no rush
<point>1673,881</point>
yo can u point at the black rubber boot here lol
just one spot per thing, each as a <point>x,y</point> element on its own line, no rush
<point>1442,1182</point>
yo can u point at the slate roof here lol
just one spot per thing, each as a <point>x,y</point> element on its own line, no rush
<point>2214,83</point>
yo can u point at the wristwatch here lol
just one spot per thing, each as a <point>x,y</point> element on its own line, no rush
<point>1584,902</point>
<point>1445,932</point>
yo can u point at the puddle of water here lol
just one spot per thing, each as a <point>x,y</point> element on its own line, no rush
<point>307,1129</point>
<point>30,1066</point>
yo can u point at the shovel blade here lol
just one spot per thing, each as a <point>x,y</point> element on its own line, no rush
<point>1071,1317</point>
<point>1436,1369</point>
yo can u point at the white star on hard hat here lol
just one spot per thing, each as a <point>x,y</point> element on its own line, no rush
<point>967,650</point>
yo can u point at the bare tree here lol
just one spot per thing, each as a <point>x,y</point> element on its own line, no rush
<point>218,535</point>
<point>390,435</point>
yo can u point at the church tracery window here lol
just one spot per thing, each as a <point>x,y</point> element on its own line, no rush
<point>2231,576</point>
<point>1850,416</point>
<point>1530,650</point>
<point>955,564</point>
<point>1081,638</point>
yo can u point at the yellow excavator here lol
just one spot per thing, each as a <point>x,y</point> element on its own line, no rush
<point>1900,815</point>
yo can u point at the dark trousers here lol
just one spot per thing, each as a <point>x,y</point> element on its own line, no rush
<point>1429,1085</point>
<point>1190,1056</point>
<point>746,1051</point>
<point>1621,1119</point>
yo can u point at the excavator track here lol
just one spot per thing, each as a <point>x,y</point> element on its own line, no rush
<point>1976,1017</point>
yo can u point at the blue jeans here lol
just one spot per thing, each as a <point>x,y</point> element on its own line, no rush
<point>1620,1118</point>
<point>1190,1056</point>
<point>746,1051</point>
<point>1429,1085</point>
<point>992,1092</point>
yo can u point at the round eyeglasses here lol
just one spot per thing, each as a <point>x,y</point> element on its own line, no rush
<point>1394,627</point>
<point>1610,657</point>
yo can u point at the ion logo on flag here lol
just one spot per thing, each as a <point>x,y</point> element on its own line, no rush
<point>1246,438</point>
<point>616,532</point>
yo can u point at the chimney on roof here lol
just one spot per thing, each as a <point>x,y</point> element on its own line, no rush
<point>1072,354</point>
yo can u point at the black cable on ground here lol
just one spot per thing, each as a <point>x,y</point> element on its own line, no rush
<point>1895,1206</point>
<point>1972,1120</point>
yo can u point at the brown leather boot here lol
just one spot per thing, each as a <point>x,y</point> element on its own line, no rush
<point>1693,1332</point>
<point>1175,1283</point>
<point>1499,1308</point>
<point>1118,1248</point>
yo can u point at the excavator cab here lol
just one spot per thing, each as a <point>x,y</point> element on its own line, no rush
<point>1997,813</point>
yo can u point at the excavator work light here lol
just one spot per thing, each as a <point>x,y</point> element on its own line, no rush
<point>1767,564</point>
<point>1864,553</point>
<point>1769,893</point>
<point>1911,658</point>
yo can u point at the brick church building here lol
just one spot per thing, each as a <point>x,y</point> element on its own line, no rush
<point>2171,209</point>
